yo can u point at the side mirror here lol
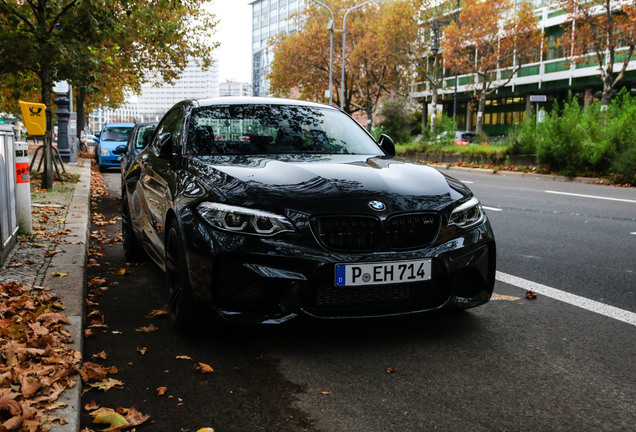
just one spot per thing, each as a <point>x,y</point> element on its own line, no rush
<point>165,144</point>
<point>121,149</point>
<point>387,145</point>
<point>96,139</point>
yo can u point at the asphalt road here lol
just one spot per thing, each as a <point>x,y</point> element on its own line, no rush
<point>512,365</point>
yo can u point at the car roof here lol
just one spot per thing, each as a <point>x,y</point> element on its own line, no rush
<point>245,100</point>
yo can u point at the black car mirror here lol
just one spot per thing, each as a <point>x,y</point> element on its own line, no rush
<point>165,144</point>
<point>387,144</point>
<point>120,149</point>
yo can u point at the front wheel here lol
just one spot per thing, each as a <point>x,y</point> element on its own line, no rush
<point>185,313</point>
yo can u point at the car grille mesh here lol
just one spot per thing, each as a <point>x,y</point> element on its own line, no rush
<point>348,233</point>
<point>410,231</point>
<point>367,234</point>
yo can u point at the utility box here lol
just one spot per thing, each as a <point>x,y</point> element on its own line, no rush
<point>8,212</point>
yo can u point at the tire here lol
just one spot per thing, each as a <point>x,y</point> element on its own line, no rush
<point>102,168</point>
<point>133,249</point>
<point>186,313</point>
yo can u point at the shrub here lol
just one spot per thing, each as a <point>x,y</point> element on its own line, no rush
<point>397,121</point>
<point>590,142</point>
<point>523,137</point>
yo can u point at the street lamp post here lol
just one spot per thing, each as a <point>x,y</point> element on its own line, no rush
<point>329,27</point>
<point>344,49</point>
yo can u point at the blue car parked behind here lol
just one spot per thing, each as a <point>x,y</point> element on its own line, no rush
<point>112,135</point>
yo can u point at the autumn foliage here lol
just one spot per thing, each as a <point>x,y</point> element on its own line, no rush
<point>492,40</point>
<point>378,61</point>
<point>598,31</point>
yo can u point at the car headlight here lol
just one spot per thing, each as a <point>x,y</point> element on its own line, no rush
<point>467,215</point>
<point>244,220</point>
<point>103,151</point>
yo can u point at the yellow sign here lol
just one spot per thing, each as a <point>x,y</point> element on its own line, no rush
<point>34,117</point>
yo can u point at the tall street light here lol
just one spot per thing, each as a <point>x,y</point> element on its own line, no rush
<point>344,49</point>
<point>329,27</point>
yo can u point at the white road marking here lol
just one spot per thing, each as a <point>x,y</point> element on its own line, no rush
<point>591,196</point>
<point>575,300</point>
<point>467,182</point>
<point>633,233</point>
<point>491,208</point>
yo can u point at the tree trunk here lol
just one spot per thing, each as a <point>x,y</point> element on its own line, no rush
<point>528,107</point>
<point>469,116</point>
<point>81,113</point>
<point>47,173</point>
<point>433,108</point>
<point>424,116</point>
<point>606,96</point>
<point>369,112</point>
<point>480,112</point>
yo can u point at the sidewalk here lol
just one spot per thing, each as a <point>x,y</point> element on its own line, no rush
<point>41,261</point>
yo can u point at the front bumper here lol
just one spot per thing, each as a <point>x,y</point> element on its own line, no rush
<point>271,280</point>
<point>110,161</point>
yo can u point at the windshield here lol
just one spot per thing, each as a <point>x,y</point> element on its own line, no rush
<point>275,129</point>
<point>116,133</point>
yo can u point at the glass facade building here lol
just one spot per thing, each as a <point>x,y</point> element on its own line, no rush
<point>269,18</point>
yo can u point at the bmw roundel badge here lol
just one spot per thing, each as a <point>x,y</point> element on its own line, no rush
<point>377,205</point>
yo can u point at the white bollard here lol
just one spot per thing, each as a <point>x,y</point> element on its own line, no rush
<point>23,186</point>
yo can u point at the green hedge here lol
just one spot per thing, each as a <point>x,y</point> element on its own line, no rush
<point>576,141</point>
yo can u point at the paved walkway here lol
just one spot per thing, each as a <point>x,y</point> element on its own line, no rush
<point>56,257</point>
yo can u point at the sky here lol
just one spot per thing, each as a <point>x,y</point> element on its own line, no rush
<point>234,32</point>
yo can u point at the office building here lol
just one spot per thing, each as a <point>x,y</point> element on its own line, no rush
<point>537,85</point>
<point>269,18</point>
<point>233,88</point>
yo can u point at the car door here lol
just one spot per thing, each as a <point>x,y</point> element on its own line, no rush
<point>157,176</point>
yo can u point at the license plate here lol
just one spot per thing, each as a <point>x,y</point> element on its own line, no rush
<point>383,272</point>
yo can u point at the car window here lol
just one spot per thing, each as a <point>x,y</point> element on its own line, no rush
<point>171,123</point>
<point>144,135</point>
<point>116,133</point>
<point>275,129</point>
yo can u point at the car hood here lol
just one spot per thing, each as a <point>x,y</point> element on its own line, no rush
<point>325,183</point>
<point>111,145</point>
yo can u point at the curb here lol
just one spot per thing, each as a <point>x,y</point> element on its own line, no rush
<point>72,260</point>
<point>546,177</point>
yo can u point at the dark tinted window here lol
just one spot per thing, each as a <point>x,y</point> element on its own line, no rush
<point>275,129</point>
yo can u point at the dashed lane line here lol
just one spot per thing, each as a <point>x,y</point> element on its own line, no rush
<point>573,299</point>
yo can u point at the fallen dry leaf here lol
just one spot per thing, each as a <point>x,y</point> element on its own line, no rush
<point>531,295</point>
<point>123,271</point>
<point>91,406</point>
<point>327,393</point>
<point>110,417</point>
<point>101,355</point>
<point>203,368</point>
<point>158,313</point>
<point>142,351</point>
<point>58,274</point>
<point>147,329</point>
<point>184,357</point>
<point>161,391</point>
